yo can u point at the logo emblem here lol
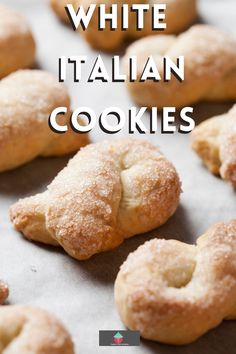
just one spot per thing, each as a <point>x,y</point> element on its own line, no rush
<point>118,338</point>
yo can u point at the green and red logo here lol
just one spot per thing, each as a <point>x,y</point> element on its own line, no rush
<point>118,338</point>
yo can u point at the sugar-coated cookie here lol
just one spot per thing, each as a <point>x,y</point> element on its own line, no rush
<point>173,292</point>
<point>30,330</point>
<point>215,142</point>
<point>108,192</point>
<point>17,45</point>
<point>209,68</point>
<point>27,97</point>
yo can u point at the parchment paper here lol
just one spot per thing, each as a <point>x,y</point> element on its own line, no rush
<point>81,293</point>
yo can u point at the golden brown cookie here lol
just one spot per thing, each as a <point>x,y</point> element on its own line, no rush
<point>29,330</point>
<point>173,292</point>
<point>59,8</point>
<point>27,97</point>
<point>108,192</point>
<point>215,142</point>
<point>210,68</point>
<point>179,15</point>
<point>4,292</point>
<point>17,46</point>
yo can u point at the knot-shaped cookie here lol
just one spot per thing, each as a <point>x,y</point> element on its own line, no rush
<point>108,192</point>
<point>17,45</point>
<point>173,292</point>
<point>29,330</point>
<point>27,97</point>
<point>215,142</point>
<point>4,292</point>
<point>179,14</point>
<point>209,70</point>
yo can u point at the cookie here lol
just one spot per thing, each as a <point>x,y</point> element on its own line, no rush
<point>17,45</point>
<point>108,192</point>
<point>27,98</point>
<point>173,292</point>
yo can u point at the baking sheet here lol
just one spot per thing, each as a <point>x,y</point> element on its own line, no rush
<point>81,293</point>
